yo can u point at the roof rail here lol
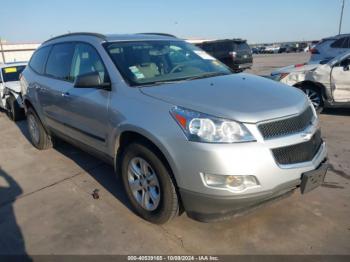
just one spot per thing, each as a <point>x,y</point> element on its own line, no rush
<point>77,33</point>
<point>161,34</point>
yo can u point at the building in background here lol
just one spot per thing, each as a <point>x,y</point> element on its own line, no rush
<point>16,52</point>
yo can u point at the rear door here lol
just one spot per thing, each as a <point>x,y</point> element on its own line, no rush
<point>56,83</point>
<point>340,80</point>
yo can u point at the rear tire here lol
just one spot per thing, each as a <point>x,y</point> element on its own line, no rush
<point>315,96</point>
<point>14,111</point>
<point>38,135</point>
<point>152,193</point>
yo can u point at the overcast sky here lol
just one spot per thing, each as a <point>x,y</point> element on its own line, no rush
<point>255,20</point>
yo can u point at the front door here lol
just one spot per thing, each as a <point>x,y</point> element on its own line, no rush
<point>86,109</point>
<point>340,80</point>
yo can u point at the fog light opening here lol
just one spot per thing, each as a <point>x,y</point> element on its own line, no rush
<point>232,183</point>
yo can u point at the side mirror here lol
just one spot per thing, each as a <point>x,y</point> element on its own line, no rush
<point>91,80</point>
<point>346,68</point>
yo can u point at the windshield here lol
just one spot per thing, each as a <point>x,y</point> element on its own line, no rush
<point>152,62</point>
<point>12,73</point>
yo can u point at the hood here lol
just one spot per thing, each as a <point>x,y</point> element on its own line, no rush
<point>242,97</point>
<point>14,86</point>
<point>294,68</point>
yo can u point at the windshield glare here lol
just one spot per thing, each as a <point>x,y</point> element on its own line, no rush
<point>12,73</point>
<point>150,62</point>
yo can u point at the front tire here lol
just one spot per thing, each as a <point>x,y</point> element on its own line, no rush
<point>14,111</point>
<point>148,184</point>
<point>315,96</point>
<point>38,135</point>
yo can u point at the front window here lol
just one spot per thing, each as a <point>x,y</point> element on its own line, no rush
<point>12,73</point>
<point>153,62</point>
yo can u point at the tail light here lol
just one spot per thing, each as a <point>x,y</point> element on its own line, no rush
<point>233,54</point>
<point>314,51</point>
<point>299,65</point>
<point>283,75</point>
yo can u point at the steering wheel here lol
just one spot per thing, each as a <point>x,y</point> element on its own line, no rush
<point>176,68</point>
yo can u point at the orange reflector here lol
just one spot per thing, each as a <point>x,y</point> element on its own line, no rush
<point>181,120</point>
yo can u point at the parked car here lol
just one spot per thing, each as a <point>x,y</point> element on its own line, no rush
<point>235,53</point>
<point>326,84</point>
<point>182,131</point>
<point>300,47</point>
<point>255,51</point>
<point>287,48</point>
<point>330,47</point>
<point>10,90</point>
<point>272,49</point>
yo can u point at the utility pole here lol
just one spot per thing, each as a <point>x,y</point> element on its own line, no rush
<point>2,51</point>
<point>341,16</point>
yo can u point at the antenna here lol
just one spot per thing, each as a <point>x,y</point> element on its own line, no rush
<point>341,16</point>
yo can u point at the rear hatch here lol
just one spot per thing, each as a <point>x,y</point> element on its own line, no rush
<point>243,52</point>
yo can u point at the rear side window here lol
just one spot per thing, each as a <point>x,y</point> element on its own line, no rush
<point>340,43</point>
<point>347,43</point>
<point>208,47</point>
<point>38,60</point>
<point>224,46</point>
<point>242,46</point>
<point>60,61</point>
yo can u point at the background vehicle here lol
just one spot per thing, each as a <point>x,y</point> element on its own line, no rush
<point>326,85</point>
<point>287,48</point>
<point>176,123</point>
<point>272,49</point>
<point>10,89</point>
<point>330,47</point>
<point>234,53</point>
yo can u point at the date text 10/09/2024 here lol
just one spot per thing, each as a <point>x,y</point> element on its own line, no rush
<point>173,258</point>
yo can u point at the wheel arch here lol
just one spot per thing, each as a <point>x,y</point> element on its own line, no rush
<point>316,85</point>
<point>130,135</point>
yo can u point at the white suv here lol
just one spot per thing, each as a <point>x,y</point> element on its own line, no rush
<point>330,47</point>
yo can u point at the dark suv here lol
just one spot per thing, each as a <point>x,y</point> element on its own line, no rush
<point>235,53</point>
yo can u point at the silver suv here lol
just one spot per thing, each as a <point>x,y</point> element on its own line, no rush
<point>181,130</point>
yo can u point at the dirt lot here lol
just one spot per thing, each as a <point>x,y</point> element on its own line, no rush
<point>46,205</point>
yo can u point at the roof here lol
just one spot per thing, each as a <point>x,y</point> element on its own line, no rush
<point>13,64</point>
<point>226,40</point>
<point>118,37</point>
<point>336,36</point>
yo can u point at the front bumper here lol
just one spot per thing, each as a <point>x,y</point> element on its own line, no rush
<point>254,158</point>
<point>208,208</point>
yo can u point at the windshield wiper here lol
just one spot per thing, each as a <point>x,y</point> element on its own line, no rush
<point>212,74</point>
<point>173,81</point>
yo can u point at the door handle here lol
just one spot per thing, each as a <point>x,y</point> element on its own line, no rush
<point>65,94</point>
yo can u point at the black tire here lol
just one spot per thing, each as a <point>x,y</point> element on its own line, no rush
<point>42,140</point>
<point>315,95</point>
<point>14,111</point>
<point>168,206</point>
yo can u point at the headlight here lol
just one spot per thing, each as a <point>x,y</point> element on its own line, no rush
<point>201,127</point>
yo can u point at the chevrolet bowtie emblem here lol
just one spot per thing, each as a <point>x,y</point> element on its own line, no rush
<point>306,136</point>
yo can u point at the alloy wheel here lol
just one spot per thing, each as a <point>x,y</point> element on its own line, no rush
<point>33,129</point>
<point>143,183</point>
<point>314,97</point>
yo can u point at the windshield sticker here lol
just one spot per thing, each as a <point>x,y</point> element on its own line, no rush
<point>136,72</point>
<point>10,70</point>
<point>204,55</point>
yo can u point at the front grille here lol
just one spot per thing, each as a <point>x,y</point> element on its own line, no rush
<point>298,153</point>
<point>287,126</point>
